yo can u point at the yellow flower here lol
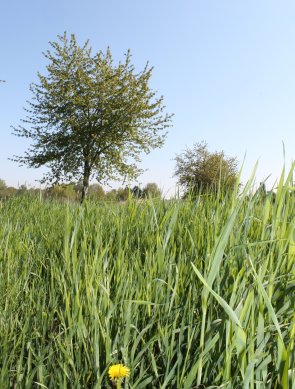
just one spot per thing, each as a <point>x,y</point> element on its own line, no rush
<point>118,372</point>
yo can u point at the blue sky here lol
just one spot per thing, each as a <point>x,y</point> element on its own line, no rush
<point>226,69</point>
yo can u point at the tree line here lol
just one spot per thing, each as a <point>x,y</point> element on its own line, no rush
<point>72,192</point>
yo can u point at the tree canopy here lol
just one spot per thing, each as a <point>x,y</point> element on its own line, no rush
<point>71,192</point>
<point>90,117</point>
<point>199,170</point>
<point>150,190</point>
<point>2,184</point>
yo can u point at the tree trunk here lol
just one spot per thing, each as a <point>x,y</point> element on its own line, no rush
<point>86,176</point>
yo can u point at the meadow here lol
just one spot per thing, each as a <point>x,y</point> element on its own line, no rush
<point>188,294</point>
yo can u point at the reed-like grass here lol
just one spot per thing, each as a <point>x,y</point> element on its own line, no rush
<point>187,294</point>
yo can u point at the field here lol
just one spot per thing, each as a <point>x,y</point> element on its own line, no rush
<point>187,294</point>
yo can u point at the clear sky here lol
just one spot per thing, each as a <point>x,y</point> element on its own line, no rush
<point>225,67</point>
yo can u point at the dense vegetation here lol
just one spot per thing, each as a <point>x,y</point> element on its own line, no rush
<point>187,294</point>
<point>72,192</point>
<point>199,170</point>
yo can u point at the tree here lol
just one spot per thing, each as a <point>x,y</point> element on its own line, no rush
<point>152,190</point>
<point>199,170</point>
<point>89,117</point>
<point>96,192</point>
<point>111,195</point>
<point>3,189</point>
<point>3,185</point>
<point>62,192</point>
<point>123,194</point>
<point>137,192</point>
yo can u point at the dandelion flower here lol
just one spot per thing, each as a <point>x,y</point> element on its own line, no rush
<point>118,372</point>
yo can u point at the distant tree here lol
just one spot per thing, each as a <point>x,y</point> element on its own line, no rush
<point>2,184</point>
<point>96,192</point>
<point>89,117</point>
<point>22,190</point>
<point>152,190</point>
<point>123,193</point>
<point>111,195</point>
<point>137,192</point>
<point>7,192</point>
<point>3,189</point>
<point>10,191</point>
<point>197,170</point>
<point>62,192</point>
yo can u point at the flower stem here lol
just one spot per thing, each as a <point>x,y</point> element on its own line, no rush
<point>119,384</point>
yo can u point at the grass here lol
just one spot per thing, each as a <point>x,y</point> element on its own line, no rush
<point>187,294</point>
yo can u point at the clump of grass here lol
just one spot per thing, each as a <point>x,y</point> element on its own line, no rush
<point>184,293</point>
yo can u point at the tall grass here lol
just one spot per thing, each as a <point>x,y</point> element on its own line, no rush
<point>188,294</point>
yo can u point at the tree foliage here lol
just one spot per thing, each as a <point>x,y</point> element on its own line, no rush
<point>2,184</point>
<point>96,192</point>
<point>71,192</point>
<point>152,190</point>
<point>90,117</point>
<point>199,170</point>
